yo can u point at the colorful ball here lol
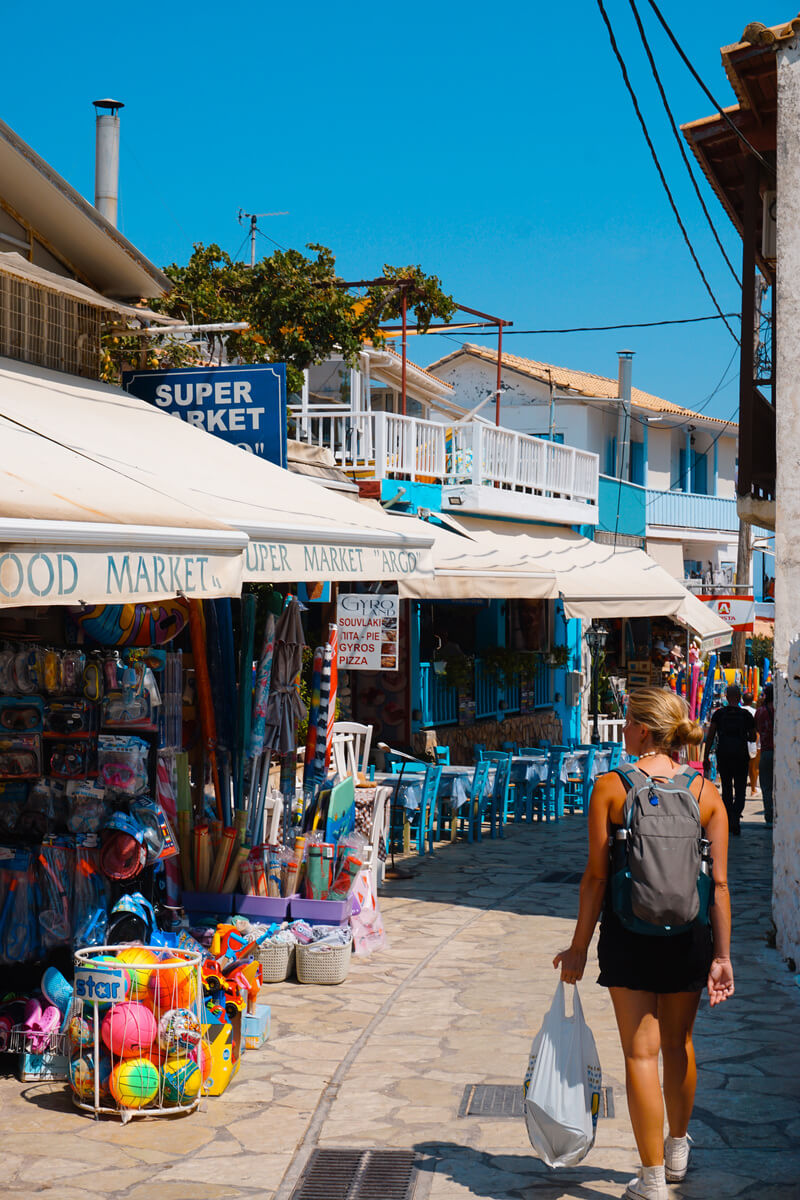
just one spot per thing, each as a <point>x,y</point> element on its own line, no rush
<point>129,1030</point>
<point>202,1056</point>
<point>179,1031</point>
<point>139,961</point>
<point>173,984</point>
<point>134,1082</point>
<point>80,1032</point>
<point>81,1076</point>
<point>180,1078</point>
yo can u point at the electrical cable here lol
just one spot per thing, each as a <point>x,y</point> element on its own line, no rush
<point>588,328</point>
<point>679,139</point>
<point>725,116</point>
<point>626,79</point>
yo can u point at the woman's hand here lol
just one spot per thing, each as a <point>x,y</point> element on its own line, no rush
<point>720,981</point>
<point>572,963</point>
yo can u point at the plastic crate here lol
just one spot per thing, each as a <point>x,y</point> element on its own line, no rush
<point>321,912</point>
<point>52,1064</point>
<point>255,1027</point>
<point>263,908</point>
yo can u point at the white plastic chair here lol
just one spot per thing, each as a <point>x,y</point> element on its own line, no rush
<point>380,829</point>
<point>351,746</point>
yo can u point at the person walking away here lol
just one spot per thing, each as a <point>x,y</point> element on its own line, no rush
<point>752,769</point>
<point>765,724</point>
<point>731,727</point>
<point>655,982</point>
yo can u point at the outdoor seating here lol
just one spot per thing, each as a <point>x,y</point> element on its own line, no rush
<point>351,746</point>
<point>509,747</point>
<point>501,792</point>
<point>477,800</point>
<point>421,821</point>
<point>442,754</point>
<point>478,750</point>
<point>548,796</point>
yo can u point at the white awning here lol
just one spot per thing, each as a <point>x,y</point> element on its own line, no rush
<point>702,620</point>
<point>72,531</point>
<point>471,567</point>
<point>599,580</point>
<point>298,530</point>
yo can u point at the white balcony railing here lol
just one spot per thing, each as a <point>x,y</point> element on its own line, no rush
<point>385,445</point>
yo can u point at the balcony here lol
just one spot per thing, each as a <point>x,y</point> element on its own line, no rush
<point>687,510</point>
<point>482,469</point>
<point>487,698</point>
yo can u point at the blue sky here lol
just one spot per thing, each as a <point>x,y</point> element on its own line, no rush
<point>501,154</point>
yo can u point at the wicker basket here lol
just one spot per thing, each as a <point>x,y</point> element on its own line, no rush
<point>323,964</point>
<point>277,960</point>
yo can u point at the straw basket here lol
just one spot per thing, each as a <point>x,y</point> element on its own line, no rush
<point>323,964</point>
<point>277,961</point>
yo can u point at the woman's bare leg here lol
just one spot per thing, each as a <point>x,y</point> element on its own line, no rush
<point>637,1019</point>
<point>676,1014</point>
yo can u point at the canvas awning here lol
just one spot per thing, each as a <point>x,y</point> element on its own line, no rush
<point>702,620</point>
<point>596,580</point>
<point>475,568</point>
<point>297,530</point>
<point>73,531</point>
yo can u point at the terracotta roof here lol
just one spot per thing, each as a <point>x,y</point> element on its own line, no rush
<point>583,383</point>
<point>755,34</point>
<point>412,366</point>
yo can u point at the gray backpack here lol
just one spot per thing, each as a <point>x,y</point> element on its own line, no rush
<point>660,870</point>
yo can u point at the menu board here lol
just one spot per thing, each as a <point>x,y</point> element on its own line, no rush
<point>367,631</point>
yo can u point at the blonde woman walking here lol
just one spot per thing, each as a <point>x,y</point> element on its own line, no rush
<point>655,982</point>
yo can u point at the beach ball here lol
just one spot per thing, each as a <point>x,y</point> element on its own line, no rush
<point>179,1031</point>
<point>139,961</point>
<point>129,1030</point>
<point>134,1082</point>
<point>180,1078</point>
<point>173,984</point>
<point>81,1076</point>
<point>80,1032</point>
<point>202,1056</point>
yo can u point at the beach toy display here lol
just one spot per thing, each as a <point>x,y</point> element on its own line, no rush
<point>137,1040</point>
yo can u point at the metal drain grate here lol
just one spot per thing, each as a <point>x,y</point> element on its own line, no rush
<point>506,1100</point>
<point>358,1175</point>
<point>561,877</point>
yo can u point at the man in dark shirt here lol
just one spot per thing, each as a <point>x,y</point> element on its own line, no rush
<point>732,727</point>
<point>765,724</point>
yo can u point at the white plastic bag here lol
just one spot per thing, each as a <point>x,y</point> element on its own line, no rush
<point>562,1086</point>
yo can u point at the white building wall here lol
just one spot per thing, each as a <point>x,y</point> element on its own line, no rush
<point>659,456</point>
<point>726,467</point>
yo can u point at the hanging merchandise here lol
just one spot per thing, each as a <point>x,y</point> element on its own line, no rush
<point>284,706</point>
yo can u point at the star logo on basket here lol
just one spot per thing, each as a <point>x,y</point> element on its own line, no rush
<point>99,985</point>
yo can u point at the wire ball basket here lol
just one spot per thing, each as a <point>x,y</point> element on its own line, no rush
<point>135,1037</point>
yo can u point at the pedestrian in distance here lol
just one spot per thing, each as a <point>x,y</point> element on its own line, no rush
<point>755,758</point>
<point>765,725</point>
<point>656,981</point>
<point>732,728</point>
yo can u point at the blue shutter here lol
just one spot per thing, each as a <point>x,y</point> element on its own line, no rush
<point>611,457</point>
<point>683,484</point>
<point>699,473</point>
<point>637,463</point>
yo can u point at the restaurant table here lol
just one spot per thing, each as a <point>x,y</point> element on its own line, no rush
<point>454,785</point>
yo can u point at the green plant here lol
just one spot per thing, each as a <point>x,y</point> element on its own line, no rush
<point>559,655</point>
<point>761,648</point>
<point>459,671</point>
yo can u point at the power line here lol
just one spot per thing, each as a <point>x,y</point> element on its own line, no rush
<point>594,328</point>
<point>659,169</point>
<point>725,116</point>
<point>679,139</point>
<point>703,403</point>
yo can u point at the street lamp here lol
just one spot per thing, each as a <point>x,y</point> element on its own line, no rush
<point>596,636</point>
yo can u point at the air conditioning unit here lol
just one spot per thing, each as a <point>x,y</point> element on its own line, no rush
<point>573,689</point>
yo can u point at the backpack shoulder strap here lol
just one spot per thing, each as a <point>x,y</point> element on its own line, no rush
<point>686,777</point>
<point>631,776</point>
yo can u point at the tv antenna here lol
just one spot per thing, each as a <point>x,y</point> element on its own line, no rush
<point>253,219</point>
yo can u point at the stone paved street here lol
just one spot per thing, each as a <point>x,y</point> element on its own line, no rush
<point>383,1060</point>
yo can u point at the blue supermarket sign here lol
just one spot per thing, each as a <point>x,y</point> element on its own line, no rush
<point>243,405</point>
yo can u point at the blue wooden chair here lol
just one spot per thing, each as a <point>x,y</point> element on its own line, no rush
<point>473,816</point>
<point>501,793</point>
<point>548,796</point>
<point>588,782</point>
<point>423,820</point>
<point>509,747</point>
<point>411,770</point>
<point>442,754</point>
<point>478,751</point>
<point>616,755</point>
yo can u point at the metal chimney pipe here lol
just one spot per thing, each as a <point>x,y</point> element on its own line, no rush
<point>106,158</point>
<point>624,414</point>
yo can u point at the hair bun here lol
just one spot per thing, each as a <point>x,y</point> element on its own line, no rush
<point>687,732</point>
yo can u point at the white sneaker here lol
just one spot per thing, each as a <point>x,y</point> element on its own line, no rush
<point>676,1158</point>
<point>649,1184</point>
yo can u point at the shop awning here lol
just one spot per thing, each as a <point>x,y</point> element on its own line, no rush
<point>297,529</point>
<point>702,620</point>
<point>596,580</point>
<point>471,567</point>
<point>72,531</point>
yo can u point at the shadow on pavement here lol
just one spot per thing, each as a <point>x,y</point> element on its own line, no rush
<point>510,1176</point>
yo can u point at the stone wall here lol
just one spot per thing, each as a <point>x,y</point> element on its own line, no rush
<point>525,729</point>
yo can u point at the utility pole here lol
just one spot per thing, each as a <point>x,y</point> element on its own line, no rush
<point>624,415</point>
<point>744,561</point>
<point>253,219</point>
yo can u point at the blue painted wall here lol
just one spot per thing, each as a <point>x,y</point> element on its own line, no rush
<point>630,499</point>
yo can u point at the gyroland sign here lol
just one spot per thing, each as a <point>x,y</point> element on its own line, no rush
<point>32,575</point>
